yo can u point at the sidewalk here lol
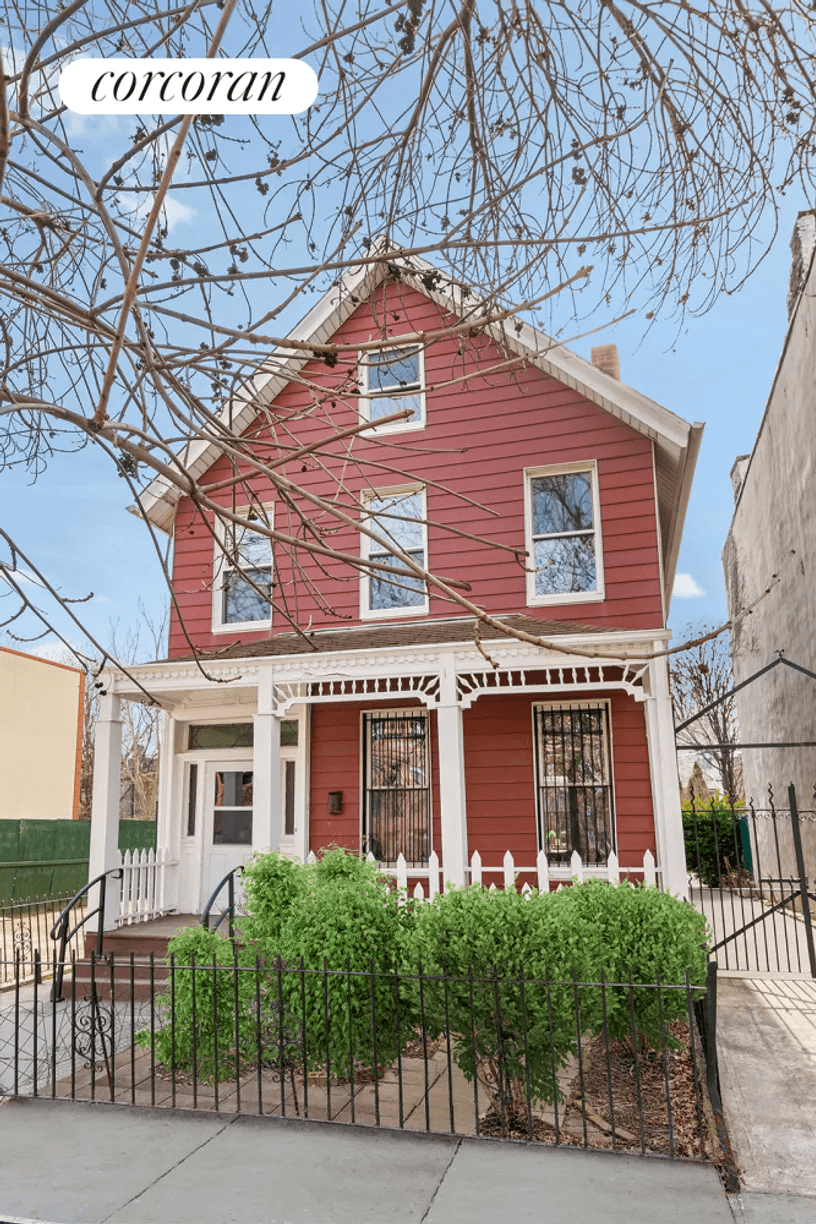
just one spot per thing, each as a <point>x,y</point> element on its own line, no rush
<point>116,1164</point>
<point>766,1040</point>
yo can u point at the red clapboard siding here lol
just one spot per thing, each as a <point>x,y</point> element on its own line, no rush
<point>499,777</point>
<point>479,437</point>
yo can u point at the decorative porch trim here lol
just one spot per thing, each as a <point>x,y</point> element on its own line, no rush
<point>425,687</point>
<point>471,685</point>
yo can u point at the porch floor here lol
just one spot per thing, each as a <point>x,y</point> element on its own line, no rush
<point>155,928</point>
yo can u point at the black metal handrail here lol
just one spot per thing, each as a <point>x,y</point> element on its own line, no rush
<point>229,880</point>
<point>61,932</point>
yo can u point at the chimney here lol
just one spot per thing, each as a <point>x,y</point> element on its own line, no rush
<point>605,357</point>
<point>738,474</point>
<point>802,245</point>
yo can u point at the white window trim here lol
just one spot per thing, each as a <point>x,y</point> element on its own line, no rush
<point>220,567</point>
<point>568,597</point>
<point>601,703</point>
<point>366,611</point>
<point>365,396</point>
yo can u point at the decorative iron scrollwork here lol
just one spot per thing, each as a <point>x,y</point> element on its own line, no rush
<point>21,942</point>
<point>93,1035</point>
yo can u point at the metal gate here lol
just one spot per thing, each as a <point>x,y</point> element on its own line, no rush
<point>747,874</point>
<point>748,866</point>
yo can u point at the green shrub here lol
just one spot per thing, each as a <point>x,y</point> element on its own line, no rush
<point>503,1034</point>
<point>501,1031</point>
<point>320,929</point>
<point>190,1042</point>
<point>338,911</point>
<point>711,832</point>
<point>346,922</point>
<point>272,885</point>
<point>638,935</point>
<point>336,865</point>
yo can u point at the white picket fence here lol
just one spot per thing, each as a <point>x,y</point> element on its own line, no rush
<point>509,870</point>
<point>143,887</point>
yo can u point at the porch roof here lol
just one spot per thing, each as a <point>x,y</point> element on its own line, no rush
<point>389,637</point>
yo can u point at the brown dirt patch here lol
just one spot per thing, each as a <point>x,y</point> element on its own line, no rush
<point>641,1113</point>
<point>667,1111</point>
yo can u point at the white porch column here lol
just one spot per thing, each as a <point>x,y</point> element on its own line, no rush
<point>167,831</point>
<point>267,809</point>
<point>671,852</point>
<point>453,813</point>
<point>104,853</point>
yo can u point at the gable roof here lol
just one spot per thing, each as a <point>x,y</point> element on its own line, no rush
<point>676,441</point>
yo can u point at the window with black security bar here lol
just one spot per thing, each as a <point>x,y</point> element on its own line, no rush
<point>574,783</point>
<point>397,786</point>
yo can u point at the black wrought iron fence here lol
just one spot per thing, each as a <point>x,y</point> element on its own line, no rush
<point>616,1065</point>
<point>25,929</point>
<point>752,872</point>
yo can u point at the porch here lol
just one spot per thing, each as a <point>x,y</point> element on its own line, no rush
<point>271,757</point>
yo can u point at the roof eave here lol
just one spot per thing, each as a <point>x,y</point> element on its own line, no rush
<point>678,517</point>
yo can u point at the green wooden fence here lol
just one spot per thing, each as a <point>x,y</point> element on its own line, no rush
<point>43,858</point>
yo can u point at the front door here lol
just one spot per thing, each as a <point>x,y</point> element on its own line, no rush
<point>227,825</point>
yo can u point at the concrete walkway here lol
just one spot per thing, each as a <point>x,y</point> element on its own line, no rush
<point>114,1164</point>
<point>766,1038</point>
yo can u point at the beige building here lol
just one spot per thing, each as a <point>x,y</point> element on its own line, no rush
<point>771,548</point>
<point>40,737</point>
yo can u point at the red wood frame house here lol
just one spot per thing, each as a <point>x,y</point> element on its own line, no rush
<point>388,731</point>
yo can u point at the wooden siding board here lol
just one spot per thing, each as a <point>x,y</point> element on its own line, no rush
<point>496,425</point>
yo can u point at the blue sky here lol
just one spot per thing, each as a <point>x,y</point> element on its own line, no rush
<point>718,369</point>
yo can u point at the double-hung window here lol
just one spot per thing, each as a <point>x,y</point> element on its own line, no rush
<point>397,786</point>
<point>574,782</point>
<point>393,379</point>
<point>398,518</point>
<point>565,558</point>
<point>242,588</point>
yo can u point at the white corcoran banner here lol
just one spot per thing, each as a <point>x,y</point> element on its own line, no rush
<point>125,86</point>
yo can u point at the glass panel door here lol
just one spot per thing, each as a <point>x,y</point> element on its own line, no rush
<point>227,825</point>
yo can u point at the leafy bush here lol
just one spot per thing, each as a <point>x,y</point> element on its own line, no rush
<point>320,929</point>
<point>504,1034</point>
<point>485,940</point>
<point>304,924</point>
<point>190,1042</point>
<point>638,935</point>
<point>346,921</point>
<point>712,834</point>
<point>272,885</point>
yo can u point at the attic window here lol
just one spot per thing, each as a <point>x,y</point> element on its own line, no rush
<point>393,379</point>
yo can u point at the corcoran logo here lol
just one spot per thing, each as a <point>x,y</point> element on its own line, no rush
<point>188,86</point>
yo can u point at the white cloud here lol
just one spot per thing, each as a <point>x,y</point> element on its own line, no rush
<point>20,576</point>
<point>686,588</point>
<point>56,652</point>
<point>174,211</point>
